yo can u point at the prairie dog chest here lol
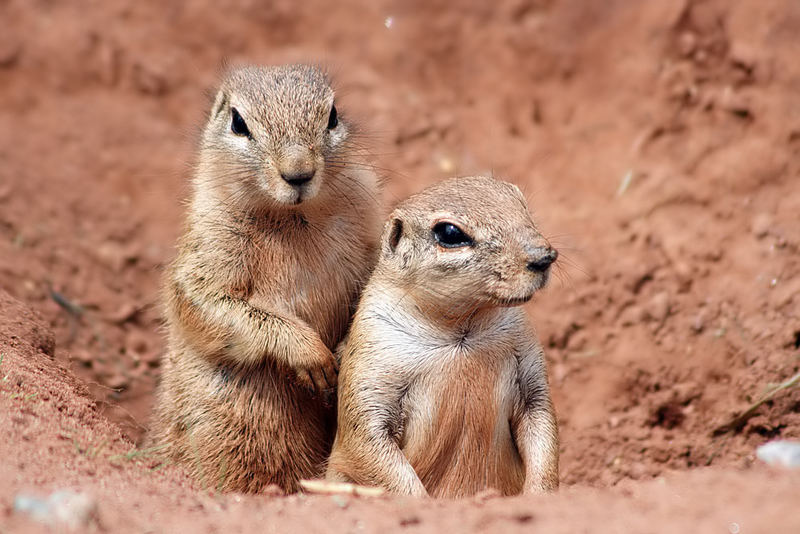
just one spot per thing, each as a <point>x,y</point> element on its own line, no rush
<point>460,394</point>
<point>453,387</point>
<point>311,271</point>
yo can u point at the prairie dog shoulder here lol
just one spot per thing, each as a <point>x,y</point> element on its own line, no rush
<point>443,387</point>
<point>280,236</point>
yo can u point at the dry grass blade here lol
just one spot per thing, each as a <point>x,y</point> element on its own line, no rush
<point>739,421</point>
<point>66,304</point>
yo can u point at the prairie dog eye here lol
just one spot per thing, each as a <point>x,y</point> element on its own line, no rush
<point>238,126</point>
<point>333,119</point>
<point>449,235</point>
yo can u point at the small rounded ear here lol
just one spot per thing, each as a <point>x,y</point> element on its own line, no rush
<point>395,232</point>
<point>520,195</point>
<point>220,103</point>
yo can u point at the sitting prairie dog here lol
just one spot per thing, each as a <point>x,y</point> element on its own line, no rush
<point>443,388</point>
<point>280,237</point>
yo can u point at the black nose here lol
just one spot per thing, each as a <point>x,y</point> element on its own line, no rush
<point>542,262</point>
<point>296,179</point>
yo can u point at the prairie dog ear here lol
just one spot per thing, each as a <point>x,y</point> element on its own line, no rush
<point>392,234</point>
<point>520,195</point>
<point>220,103</point>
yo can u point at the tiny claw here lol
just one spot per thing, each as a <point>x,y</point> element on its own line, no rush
<point>330,378</point>
<point>304,379</point>
<point>320,383</point>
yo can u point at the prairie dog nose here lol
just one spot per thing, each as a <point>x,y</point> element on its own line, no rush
<point>297,166</point>
<point>298,178</point>
<point>542,259</point>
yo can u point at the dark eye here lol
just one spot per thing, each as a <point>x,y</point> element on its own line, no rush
<point>333,119</point>
<point>449,235</point>
<point>238,126</point>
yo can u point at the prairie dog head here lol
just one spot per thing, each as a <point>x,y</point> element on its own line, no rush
<point>272,134</point>
<point>466,243</point>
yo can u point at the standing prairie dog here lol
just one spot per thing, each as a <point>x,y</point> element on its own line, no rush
<point>443,387</point>
<point>280,236</point>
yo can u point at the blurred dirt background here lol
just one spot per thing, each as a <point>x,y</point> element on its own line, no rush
<point>657,142</point>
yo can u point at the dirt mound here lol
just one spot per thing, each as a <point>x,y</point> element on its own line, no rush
<point>54,435</point>
<point>658,143</point>
<point>57,442</point>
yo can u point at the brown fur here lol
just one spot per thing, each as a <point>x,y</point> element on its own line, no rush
<point>443,386</point>
<point>264,283</point>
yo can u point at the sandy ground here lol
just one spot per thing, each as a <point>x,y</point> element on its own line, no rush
<point>657,142</point>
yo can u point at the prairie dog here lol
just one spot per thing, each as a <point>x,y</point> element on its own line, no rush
<point>443,387</point>
<point>281,234</point>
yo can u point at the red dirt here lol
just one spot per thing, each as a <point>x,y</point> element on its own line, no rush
<point>658,143</point>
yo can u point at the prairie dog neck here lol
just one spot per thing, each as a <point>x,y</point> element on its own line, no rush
<point>394,314</point>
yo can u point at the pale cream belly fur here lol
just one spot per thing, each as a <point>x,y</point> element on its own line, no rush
<point>458,437</point>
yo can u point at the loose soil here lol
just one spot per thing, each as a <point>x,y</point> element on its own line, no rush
<point>657,142</point>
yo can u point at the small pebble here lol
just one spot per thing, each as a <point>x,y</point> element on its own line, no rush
<point>340,501</point>
<point>743,54</point>
<point>687,43</point>
<point>631,315</point>
<point>781,453</point>
<point>659,307</point>
<point>761,225</point>
<point>446,164</point>
<point>62,508</point>
<point>699,321</point>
